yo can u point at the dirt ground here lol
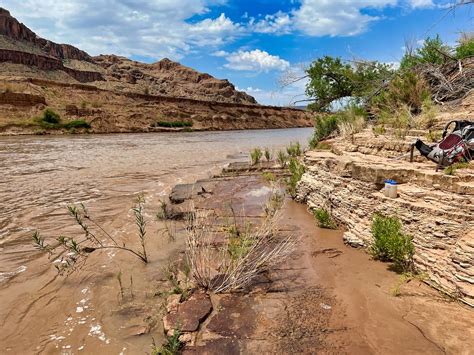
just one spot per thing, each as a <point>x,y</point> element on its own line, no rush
<point>328,298</point>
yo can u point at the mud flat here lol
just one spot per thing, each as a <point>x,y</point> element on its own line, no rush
<point>327,297</point>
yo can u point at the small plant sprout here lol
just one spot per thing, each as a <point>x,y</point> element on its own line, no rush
<point>296,170</point>
<point>71,253</point>
<point>324,218</point>
<point>268,154</point>
<point>162,213</point>
<point>282,159</point>
<point>172,346</point>
<point>269,177</point>
<point>256,156</point>
<point>294,150</point>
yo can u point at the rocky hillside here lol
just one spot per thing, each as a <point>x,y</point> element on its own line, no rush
<point>19,45</point>
<point>115,94</point>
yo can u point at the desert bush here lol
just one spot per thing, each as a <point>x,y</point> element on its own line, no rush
<point>434,136</point>
<point>256,156</point>
<point>77,124</point>
<point>433,51</point>
<point>173,124</point>
<point>427,118</point>
<point>49,116</point>
<point>405,89</point>
<point>294,150</point>
<point>390,244</point>
<point>70,253</point>
<point>282,158</point>
<point>215,269</point>
<point>378,129</point>
<point>465,47</point>
<point>324,127</point>
<point>296,172</point>
<point>324,218</point>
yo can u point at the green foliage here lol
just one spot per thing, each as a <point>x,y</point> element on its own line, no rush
<point>282,158</point>
<point>172,346</point>
<point>49,116</point>
<point>294,150</point>
<point>269,177</point>
<point>296,172</point>
<point>273,204</point>
<point>465,47</point>
<point>390,244</point>
<point>433,51</point>
<point>405,89</point>
<point>77,124</point>
<point>256,156</point>
<point>451,170</point>
<point>268,154</point>
<point>173,124</point>
<point>324,218</point>
<point>332,80</point>
<point>326,126</point>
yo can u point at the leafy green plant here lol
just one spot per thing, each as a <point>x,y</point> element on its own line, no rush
<point>324,218</point>
<point>390,244</point>
<point>273,204</point>
<point>465,47</point>
<point>282,158</point>
<point>172,346</point>
<point>75,124</point>
<point>433,51</point>
<point>296,172</point>
<point>256,155</point>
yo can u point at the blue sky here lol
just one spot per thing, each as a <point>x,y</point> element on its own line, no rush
<point>252,43</point>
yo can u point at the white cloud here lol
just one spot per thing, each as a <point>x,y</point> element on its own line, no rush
<point>336,17</point>
<point>256,60</point>
<point>416,4</point>
<point>279,23</point>
<point>155,28</point>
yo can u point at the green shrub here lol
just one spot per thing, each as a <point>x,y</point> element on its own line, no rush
<point>451,170</point>
<point>173,124</point>
<point>49,116</point>
<point>296,170</point>
<point>390,244</point>
<point>282,158</point>
<point>256,155</point>
<point>465,48</point>
<point>268,176</point>
<point>433,51</point>
<point>294,150</point>
<point>324,127</point>
<point>77,124</point>
<point>324,218</point>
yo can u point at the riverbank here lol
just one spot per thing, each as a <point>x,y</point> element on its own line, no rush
<point>108,111</point>
<point>326,298</point>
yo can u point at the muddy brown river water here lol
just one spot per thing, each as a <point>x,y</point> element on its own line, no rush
<point>41,312</point>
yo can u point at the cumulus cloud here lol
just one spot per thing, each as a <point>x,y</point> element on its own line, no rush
<point>145,28</point>
<point>416,4</point>
<point>336,17</point>
<point>256,60</point>
<point>278,23</point>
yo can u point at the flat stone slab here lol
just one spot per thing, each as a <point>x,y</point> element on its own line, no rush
<point>189,314</point>
<point>183,192</point>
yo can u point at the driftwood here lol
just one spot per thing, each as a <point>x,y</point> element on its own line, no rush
<point>450,81</point>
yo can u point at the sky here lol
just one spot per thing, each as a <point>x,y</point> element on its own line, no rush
<point>255,44</point>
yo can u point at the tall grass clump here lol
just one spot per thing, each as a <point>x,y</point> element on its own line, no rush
<point>256,155</point>
<point>294,150</point>
<point>390,244</point>
<point>172,346</point>
<point>232,267</point>
<point>268,154</point>
<point>324,218</point>
<point>282,158</point>
<point>296,170</point>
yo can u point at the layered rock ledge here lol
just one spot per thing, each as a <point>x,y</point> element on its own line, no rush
<point>435,208</point>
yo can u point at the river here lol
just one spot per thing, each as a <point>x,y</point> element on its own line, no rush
<point>42,312</point>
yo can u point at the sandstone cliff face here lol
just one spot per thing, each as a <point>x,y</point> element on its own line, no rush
<point>435,208</point>
<point>13,29</point>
